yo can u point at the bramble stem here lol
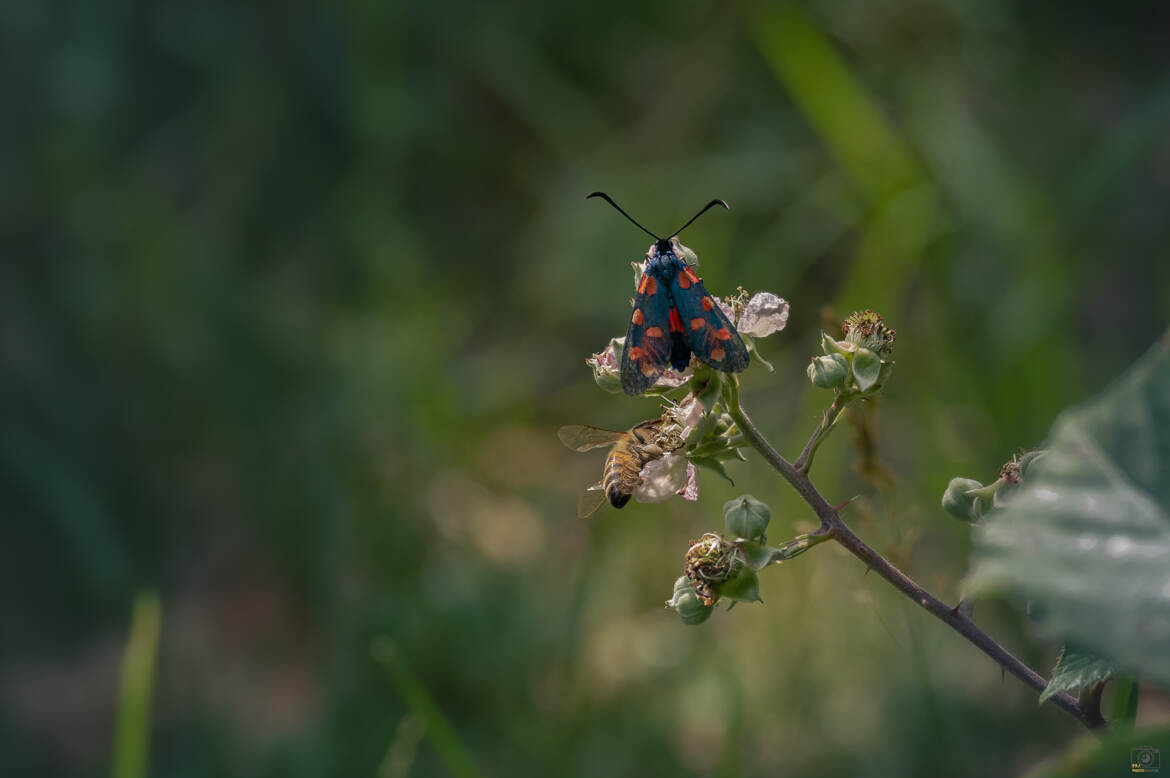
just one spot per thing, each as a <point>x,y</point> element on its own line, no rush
<point>828,421</point>
<point>832,526</point>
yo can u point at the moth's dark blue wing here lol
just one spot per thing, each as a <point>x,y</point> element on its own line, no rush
<point>709,332</point>
<point>648,340</point>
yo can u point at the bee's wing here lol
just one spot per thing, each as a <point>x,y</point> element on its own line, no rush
<point>581,437</point>
<point>592,499</point>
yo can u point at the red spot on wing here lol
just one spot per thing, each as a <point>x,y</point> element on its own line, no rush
<point>723,334</point>
<point>698,323</point>
<point>655,332</point>
<point>708,303</point>
<point>637,318</point>
<point>636,354</point>
<point>675,321</point>
<point>690,276</point>
<point>648,286</point>
<point>683,281</point>
<point>717,354</point>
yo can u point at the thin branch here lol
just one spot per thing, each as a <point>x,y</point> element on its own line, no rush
<point>828,420</point>
<point>833,526</point>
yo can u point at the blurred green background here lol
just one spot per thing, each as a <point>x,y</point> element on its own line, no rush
<point>295,297</point>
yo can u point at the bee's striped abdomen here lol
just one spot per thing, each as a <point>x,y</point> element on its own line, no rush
<point>622,468</point>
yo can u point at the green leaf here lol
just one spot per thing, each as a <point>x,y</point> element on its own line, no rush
<point>1075,670</point>
<point>1123,713</point>
<point>711,463</point>
<point>1088,535</point>
<point>867,366</point>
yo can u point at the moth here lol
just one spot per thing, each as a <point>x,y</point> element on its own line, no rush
<point>674,315</point>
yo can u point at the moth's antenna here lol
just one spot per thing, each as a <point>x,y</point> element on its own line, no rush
<point>609,200</point>
<point>700,213</point>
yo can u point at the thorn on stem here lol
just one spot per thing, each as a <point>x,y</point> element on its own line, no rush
<point>837,508</point>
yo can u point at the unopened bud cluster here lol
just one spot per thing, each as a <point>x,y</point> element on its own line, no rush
<point>857,365</point>
<point>716,568</point>
<point>969,500</point>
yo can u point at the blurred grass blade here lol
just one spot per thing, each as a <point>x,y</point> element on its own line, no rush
<point>1125,702</point>
<point>420,702</point>
<point>867,146</point>
<point>132,737</point>
<point>400,754</point>
<point>905,210</point>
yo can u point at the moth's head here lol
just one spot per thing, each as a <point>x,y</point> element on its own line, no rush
<point>661,246</point>
<point>673,246</point>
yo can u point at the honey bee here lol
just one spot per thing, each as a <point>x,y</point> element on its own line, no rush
<point>630,452</point>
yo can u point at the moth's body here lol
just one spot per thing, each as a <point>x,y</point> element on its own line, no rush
<point>631,451</point>
<point>673,317</point>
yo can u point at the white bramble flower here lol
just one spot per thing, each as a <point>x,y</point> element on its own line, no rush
<point>759,316</point>
<point>764,315</point>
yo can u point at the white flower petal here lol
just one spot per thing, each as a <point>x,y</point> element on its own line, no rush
<point>765,314</point>
<point>694,414</point>
<point>662,478</point>
<point>672,378</point>
<point>691,490</point>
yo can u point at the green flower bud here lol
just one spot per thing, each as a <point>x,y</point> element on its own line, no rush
<point>959,502</point>
<point>829,371</point>
<point>867,367</point>
<point>743,586</point>
<point>1028,459</point>
<point>687,604</point>
<point>746,517</point>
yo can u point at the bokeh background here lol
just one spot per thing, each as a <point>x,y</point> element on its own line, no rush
<point>295,296</point>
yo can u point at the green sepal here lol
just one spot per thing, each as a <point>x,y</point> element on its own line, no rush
<point>750,342</point>
<point>756,555</point>
<point>831,346</point>
<point>867,368</point>
<point>744,586</point>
